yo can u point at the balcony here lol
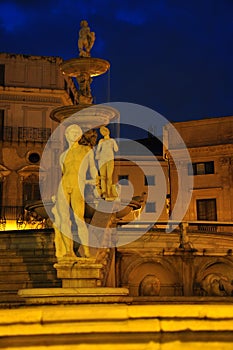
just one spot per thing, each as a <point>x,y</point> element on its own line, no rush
<point>11,212</point>
<point>25,134</point>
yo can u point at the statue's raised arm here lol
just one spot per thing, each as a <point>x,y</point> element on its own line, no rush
<point>86,40</point>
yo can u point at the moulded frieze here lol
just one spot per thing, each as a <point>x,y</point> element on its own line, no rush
<point>217,149</point>
<point>30,98</point>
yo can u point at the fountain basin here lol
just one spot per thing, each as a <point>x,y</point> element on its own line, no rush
<point>42,210</point>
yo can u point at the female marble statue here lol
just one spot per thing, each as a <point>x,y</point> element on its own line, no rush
<point>105,156</point>
<point>75,162</point>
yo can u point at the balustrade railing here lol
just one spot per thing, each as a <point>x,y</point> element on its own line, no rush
<point>191,226</point>
<point>25,134</point>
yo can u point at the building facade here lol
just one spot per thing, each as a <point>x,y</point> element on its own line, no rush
<point>30,88</point>
<point>210,145</point>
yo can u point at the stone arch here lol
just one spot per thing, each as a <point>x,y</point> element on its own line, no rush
<point>215,277</point>
<point>213,264</point>
<point>144,268</point>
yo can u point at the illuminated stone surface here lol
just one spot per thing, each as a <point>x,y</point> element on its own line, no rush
<point>94,66</point>
<point>118,327</point>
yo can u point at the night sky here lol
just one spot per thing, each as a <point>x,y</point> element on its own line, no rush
<point>174,56</point>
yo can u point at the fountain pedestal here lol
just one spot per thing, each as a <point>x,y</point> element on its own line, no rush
<point>81,284</point>
<point>83,273</point>
<point>84,279</point>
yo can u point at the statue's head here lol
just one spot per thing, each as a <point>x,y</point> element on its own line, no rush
<point>149,286</point>
<point>73,133</point>
<point>104,131</point>
<point>83,23</point>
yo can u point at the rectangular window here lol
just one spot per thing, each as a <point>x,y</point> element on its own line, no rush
<point>201,168</point>
<point>2,74</point>
<point>150,207</point>
<point>123,180</point>
<point>31,192</point>
<point>207,211</point>
<point>149,180</point>
<point>1,124</point>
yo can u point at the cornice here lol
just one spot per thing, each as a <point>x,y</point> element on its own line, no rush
<point>24,57</point>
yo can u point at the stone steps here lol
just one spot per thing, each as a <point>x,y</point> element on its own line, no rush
<point>19,267</point>
<point>13,260</point>
<point>26,275</point>
<point>26,261</point>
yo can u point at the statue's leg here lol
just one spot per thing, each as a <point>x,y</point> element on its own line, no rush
<point>78,207</point>
<point>63,210</point>
<point>109,168</point>
<point>103,179</point>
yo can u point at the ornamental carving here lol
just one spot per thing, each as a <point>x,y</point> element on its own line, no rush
<point>149,286</point>
<point>225,161</point>
<point>216,284</point>
<point>4,172</point>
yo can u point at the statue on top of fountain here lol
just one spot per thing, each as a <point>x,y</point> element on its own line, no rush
<point>86,39</point>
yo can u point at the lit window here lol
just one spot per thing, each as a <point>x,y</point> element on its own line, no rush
<point>201,168</point>
<point>123,180</point>
<point>150,207</point>
<point>207,211</point>
<point>149,180</point>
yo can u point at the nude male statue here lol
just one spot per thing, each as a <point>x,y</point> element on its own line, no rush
<point>75,162</point>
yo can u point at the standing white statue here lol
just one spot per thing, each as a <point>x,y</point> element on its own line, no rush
<point>105,156</point>
<point>86,40</point>
<point>75,162</point>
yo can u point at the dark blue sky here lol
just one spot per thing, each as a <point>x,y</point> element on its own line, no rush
<point>174,56</point>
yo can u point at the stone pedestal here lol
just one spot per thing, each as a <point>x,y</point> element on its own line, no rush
<point>83,273</point>
<point>81,284</point>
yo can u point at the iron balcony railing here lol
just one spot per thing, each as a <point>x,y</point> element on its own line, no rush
<point>11,212</point>
<point>25,134</point>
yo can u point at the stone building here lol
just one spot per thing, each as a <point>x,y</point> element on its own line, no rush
<point>210,145</point>
<point>30,88</point>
